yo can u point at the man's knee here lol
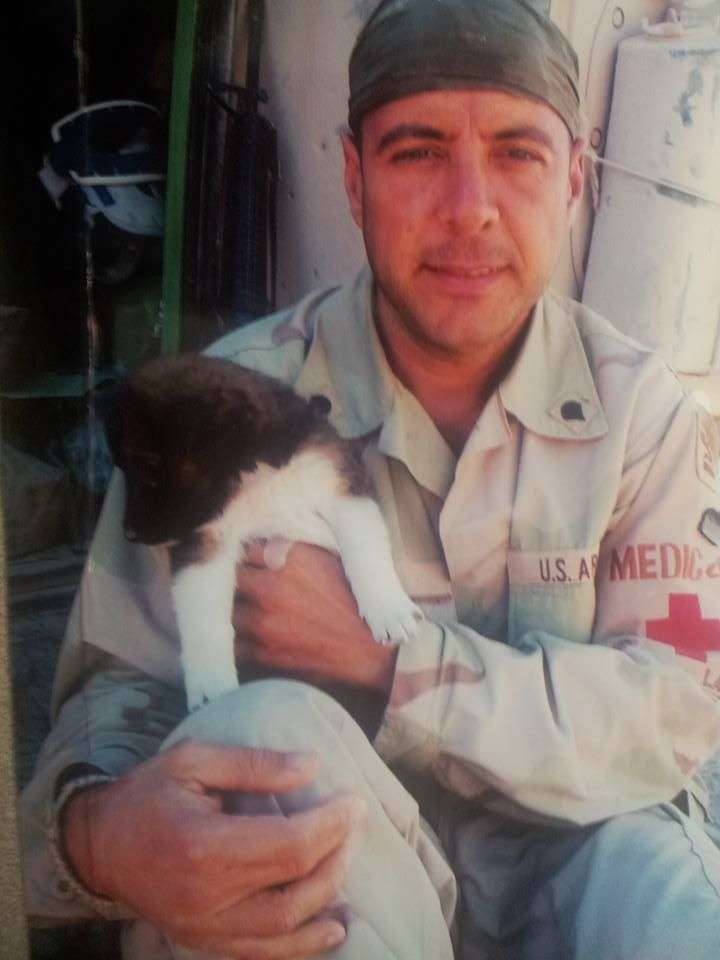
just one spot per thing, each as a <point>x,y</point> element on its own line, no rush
<point>274,714</point>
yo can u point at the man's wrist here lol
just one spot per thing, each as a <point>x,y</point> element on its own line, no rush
<point>72,843</point>
<point>374,671</point>
<point>381,669</point>
<point>75,826</point>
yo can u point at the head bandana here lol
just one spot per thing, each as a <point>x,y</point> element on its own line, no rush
<point>412,46</point>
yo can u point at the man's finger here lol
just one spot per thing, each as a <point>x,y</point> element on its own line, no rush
<point>255,553</point>
<point>275,553</point>
<point>283,909</point>
<point>220,767</point>
<point>314,939</point>
<point>271,553</point>
<point>279,850</point>
<point>251,581</point>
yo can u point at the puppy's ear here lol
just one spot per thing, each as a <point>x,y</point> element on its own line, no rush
<point>229,430</point>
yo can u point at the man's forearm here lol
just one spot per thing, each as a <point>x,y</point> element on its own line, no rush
<point>554,725</point>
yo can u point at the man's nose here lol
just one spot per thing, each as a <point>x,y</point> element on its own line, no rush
<point>470,203</point>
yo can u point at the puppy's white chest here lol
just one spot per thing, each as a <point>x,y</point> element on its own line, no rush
<point>286,502</point>
<point>305,500</point>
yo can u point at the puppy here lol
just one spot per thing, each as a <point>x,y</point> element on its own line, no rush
<point>215,456</point>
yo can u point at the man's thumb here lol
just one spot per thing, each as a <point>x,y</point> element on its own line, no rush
<point>221,767</point>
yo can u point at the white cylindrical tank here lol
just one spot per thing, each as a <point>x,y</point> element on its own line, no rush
<point>654,261</point>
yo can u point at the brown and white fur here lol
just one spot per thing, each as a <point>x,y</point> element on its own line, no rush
<point>216,456</point>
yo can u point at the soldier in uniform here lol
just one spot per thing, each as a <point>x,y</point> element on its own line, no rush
<point>551,497</point>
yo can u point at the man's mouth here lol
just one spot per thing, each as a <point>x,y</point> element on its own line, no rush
<point>461,270</point>
<point>465,278</point>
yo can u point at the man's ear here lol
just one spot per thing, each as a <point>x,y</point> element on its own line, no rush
<point>353,177</point>
<point>576,176</point>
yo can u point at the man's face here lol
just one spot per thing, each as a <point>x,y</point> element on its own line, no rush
<point>464,198</point>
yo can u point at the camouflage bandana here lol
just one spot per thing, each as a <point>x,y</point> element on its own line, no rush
<point>412,46</point>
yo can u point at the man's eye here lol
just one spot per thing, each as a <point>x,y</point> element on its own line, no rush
<point>415,153</point>
<point>525,156</point>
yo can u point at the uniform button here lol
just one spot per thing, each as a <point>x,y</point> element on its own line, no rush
<point>572,410</point>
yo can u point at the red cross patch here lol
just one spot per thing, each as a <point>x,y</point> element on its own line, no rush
<point>684,628</point>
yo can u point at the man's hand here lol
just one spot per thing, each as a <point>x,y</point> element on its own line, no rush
<point>242,887</point>
<point>300,615</point>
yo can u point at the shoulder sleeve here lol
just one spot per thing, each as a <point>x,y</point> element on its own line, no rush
<point>278,344</point>
<point>659,564</point>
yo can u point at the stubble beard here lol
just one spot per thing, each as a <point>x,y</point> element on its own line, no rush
<point>393,309</point>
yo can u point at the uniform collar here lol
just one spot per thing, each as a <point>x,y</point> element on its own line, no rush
<point>550,388</point>
<point>346,362</point>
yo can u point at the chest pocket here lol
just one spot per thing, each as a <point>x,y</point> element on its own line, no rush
<point>552,590</point>
<point>411,515</point>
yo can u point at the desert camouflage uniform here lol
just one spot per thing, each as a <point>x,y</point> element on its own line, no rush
<point>564,689</point>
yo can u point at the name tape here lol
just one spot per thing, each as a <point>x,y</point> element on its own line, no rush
<point>543,568</point>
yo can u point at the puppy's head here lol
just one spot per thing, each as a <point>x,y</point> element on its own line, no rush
<point>183,430</point>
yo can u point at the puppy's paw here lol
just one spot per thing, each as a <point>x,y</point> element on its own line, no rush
<point>392,616</point>
<point>203,686</point>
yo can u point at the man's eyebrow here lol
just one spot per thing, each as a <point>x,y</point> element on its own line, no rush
<point>527,132</point>
<point>409,131</point>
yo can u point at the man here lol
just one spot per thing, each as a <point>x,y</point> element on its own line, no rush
<point>550,494</point>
